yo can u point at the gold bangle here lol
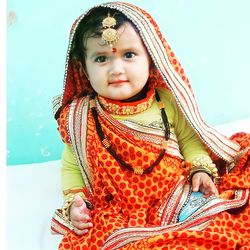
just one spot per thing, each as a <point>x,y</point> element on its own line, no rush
<point>69,201</point>
<point>202,164</point>
<point>66,207</point>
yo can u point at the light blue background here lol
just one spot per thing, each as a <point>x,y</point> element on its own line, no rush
<point>211,39</point>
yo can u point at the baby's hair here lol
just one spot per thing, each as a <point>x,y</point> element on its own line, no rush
<point>91,26</point>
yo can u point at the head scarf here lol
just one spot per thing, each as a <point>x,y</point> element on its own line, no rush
<point>166,72</point>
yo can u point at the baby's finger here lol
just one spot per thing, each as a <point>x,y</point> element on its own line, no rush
<point>82,226</point>
<point>80,232</point>
<point>78,201</point>
<point>78,217</point>
<point>214,191</point>
<point>86,218</point>
<point>85,210</point>
<point>195,183</point>
<point>210,189</point>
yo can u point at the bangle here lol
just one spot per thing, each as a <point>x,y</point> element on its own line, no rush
<point>82,192</point>
<point>202,164</point>
<point>66,207</point>
<point>69,201</point>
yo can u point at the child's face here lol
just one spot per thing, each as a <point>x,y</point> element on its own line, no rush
<point>122,74</point>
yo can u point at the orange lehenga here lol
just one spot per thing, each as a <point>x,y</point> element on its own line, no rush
<point>145,208</point>
<point>132,211</point>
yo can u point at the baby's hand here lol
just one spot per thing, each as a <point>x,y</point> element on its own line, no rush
<point>202,182</point>
<point>80,216</point>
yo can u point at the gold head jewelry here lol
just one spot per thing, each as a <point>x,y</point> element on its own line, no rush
<point>109,35</point>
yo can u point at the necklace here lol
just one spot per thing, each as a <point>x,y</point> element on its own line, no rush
<point>107,144</point>
<point>127,108</point>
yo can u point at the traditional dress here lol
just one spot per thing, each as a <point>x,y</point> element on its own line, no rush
<point>137,208</point>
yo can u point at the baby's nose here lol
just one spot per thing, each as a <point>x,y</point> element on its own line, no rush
<point>117,67</point>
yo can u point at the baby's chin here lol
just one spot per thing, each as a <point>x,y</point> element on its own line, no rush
<point>116,98</point>
<point>120,96</point>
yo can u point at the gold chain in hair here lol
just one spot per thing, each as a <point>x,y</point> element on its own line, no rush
<point>109,35</point>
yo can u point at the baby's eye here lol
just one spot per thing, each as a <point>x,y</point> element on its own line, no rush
<point>129,55</point>
<point>101,59</point>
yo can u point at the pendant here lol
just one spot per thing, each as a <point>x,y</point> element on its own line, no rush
<point>138,170</point>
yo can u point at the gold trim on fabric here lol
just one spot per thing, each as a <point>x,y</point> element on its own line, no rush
<point>201,226</point>
<point>58,217</point>
<point>145,128</point>
<point>78,134</point>
<point>184,197</point>
<point>121,237</point>
<point>169,203</point>
<point>56,103</point>
<point>143,132</point>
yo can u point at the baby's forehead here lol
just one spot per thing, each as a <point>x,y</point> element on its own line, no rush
<point>127,37</point>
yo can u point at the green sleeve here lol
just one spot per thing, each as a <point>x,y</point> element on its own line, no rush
<point>71,177</point>
<point>190,144</point>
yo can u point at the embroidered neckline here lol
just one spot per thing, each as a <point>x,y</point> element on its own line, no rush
<point>127,108</point>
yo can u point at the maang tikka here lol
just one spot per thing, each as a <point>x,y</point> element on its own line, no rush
<point>109,35</point>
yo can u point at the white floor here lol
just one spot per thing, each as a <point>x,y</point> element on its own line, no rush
<point>33,193</point>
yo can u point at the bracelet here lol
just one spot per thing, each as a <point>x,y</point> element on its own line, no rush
<point>202,164</point>
<point>66,207</point>
<point>83,193</point>
<point>69,201</point>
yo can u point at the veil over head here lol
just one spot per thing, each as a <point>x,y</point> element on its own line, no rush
<point>166,72</point>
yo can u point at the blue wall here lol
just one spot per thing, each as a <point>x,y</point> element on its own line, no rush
<point>211,38</point>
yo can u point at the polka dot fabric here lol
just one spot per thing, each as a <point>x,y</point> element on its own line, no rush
<point>123,199</point>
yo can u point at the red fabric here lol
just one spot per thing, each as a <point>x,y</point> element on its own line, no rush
<point>119,201</point>
<point>123,199</point>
